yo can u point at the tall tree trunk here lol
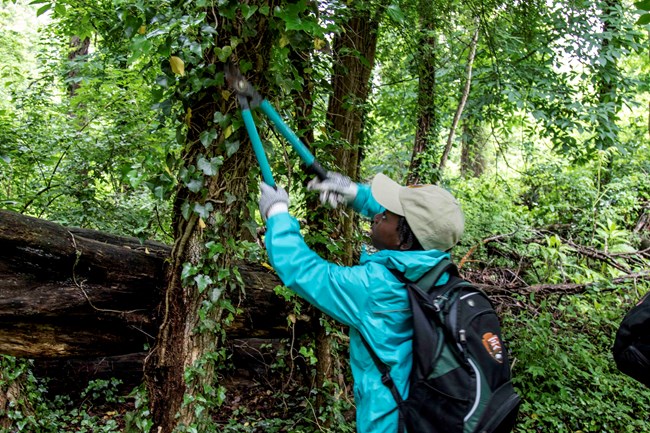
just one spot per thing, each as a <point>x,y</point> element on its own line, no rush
<point>473,141</point>
<point>428,127</point>
<point>609,98</point>
<point>78,47</point>
<point>301,61</point>
<point>354,57</point>
<point>180,370</point>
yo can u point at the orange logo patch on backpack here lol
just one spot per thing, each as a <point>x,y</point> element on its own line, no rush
<point>493,346</point>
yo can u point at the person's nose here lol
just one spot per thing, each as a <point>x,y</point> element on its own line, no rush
<point>376,218</point>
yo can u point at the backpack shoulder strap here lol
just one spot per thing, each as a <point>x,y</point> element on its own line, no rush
<point>428,280</point>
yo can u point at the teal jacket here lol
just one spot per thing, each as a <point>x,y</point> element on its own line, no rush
<point>367,297</point>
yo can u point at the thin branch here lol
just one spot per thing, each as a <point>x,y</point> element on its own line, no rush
<point>563,288</point>
<point>463,99</point>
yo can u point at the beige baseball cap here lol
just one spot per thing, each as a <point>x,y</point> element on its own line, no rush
<point>432,212</point>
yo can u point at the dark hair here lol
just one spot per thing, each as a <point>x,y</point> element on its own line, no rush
<point>406,235</point>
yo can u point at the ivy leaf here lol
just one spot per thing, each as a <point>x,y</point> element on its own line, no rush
<point>224,53</point>
<point>177,65</point>
<point>162,81</point>
<point>202,282</point>
<point>203,210</point>
<point>211,167</point>
<point>644,19</point>
<point>231,147</point>
<point>248,11</point>
<point>195,185</point>
<point>185,210</point>
<point>188,270</point>
<point>208,137</point>
<point>207,29</point>
<point>219,118</point>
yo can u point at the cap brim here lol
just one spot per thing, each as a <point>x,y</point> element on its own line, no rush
<point>386,191</point>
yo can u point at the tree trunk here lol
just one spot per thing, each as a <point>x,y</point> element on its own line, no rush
<point>180,370</point>
<point>474,140</point>
<point>428,126</point>
<point>78,47</point>
<point>608,77</point>
<point>354,57</point>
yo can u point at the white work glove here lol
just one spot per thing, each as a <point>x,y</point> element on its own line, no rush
<point>272,200</point>
<point>335,189</point>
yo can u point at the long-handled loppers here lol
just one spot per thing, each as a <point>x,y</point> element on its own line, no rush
<point>248,98</point>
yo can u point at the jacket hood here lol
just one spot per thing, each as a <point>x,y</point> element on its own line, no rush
<point>413,264</point>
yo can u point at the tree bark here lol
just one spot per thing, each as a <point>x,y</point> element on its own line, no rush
<point>427,124</point>
<point>180,369</point>
<point>474,140</point>
<point>78,47</point>
<point>354,57</point>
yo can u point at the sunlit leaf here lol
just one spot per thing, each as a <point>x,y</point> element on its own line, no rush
<point>319,44</point>
<point>43,9</point>
<point>177,65</point>
<point>395,13</point>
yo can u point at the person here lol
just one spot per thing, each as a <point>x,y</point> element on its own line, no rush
<point>413,228</point>
<point>631,348</point>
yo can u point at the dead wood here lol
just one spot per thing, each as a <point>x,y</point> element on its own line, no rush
<point>68,292</point>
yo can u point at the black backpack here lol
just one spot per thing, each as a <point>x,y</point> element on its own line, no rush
<point>460,380</point>
<point>632,343</point>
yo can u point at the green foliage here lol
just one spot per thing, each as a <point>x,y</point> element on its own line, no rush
<point>99,408</point>
<point>84,160</point>
<point>645,17</point>
<point>568,166</point>
<point>564,370</point>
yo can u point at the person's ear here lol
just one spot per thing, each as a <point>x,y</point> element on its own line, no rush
<point>405,246</point>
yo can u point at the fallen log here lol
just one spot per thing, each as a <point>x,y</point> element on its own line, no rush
<point>69,292</point>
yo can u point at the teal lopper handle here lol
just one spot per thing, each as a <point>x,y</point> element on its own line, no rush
<point>263,162</point>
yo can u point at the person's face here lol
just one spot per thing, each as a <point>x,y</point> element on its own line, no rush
<point>383,232</point>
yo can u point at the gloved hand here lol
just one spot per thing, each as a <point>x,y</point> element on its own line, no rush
<point>272,200</point>
<point>335,189</point>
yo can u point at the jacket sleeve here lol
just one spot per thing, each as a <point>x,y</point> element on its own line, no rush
<point>342,292</point>
<point>364,203</point>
